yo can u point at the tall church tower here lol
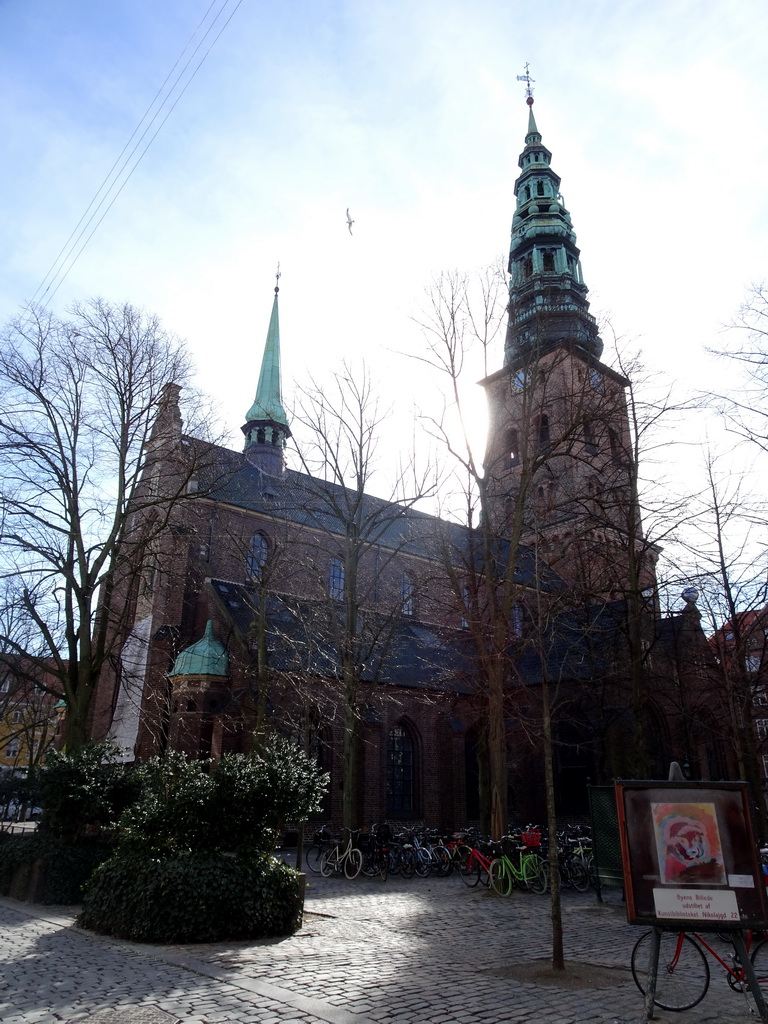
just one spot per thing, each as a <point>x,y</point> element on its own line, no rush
<point>266,423</point>
<point>559,461</point>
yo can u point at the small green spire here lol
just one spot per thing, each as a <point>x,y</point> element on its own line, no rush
<point>207,657</point>
<point>532,129</point>
<point>268,404</point>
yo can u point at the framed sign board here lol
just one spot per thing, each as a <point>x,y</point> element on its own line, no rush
<point>689,855</point>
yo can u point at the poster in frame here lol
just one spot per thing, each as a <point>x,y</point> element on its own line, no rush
<point>689,855</point>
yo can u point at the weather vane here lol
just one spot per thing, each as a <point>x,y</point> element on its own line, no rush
<point>277,278</point>
<point>528,80</point>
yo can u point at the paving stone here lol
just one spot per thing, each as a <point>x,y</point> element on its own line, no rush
<point>403,952</point>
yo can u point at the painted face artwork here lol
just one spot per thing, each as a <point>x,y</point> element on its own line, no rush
<point>688,844</point>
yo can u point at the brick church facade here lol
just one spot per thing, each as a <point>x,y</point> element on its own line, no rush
<point>277,601</point>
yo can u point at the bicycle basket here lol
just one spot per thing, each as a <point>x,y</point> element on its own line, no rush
<point>532,837</point>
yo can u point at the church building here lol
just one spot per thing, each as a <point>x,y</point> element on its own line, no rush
<point>276,601</point>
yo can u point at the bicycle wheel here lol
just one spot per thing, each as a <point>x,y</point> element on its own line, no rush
<point>442,863</point>
<point>383,865</point>
<point>394,855</point>
<point>501,879</point>
<point>329,862</point>
<point>529,871</point>
<point>540,883</point>
<point>759,958</point>
<point>407,863</point>
<point>313,855</point>
<point>683,977</point>
<point>469,869</point>
<point>353,862</point>
<point>370,864</point>
<point>484,874</point>
<point>579,875</point>
<point>423,863</point>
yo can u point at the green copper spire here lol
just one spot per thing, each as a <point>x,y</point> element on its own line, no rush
<point>205,658</point>
<point>547,296</point>
<point>266,427</point>
<point>268,404</point>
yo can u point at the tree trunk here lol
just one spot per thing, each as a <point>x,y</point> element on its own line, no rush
<point>556,914</point>
<point>349,755</point>
<point>497,752</point>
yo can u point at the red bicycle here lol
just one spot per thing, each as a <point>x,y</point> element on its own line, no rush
<point>683,975</point>
<point>474,866</point>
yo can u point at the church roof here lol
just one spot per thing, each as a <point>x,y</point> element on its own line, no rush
<point>300,639</point>
<point>298,498</point>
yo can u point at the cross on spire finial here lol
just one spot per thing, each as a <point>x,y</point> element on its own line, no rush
<point>277,279</point>
<point>528,87</point>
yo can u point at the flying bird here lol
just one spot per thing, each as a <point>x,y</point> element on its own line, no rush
<point>350,222</point>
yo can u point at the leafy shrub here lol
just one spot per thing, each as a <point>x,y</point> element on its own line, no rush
<point>84,791</point>
<point>192,897</point>
<point>239,805</point>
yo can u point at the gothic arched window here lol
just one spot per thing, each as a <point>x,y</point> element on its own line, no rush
<point>513,447</point>
<point>408,593</point>
<point>258,550</point>
<point>401,773</point>
<point>543,430</point>
<point>336,579</point>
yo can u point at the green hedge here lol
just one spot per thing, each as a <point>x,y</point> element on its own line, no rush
<point>66,867</point>
<point>192,897</point>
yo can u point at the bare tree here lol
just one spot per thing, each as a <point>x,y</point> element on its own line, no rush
<point>746,411</point>
<point>730,569</point>
<point>358,607</point>
<point>88,410</point>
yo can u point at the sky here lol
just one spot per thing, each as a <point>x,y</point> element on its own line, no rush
<point>407,112</point>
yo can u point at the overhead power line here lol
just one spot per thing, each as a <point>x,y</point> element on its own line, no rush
<point>157,113</point>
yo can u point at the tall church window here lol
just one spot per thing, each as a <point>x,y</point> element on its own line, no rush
<point>549,260</point>
<point>590,447</point>
<point>258,550</point>
<point>616,453</point>
<point>466,604</point>
<point>543,430</point>
<point>513,447</point>
<point>408,593</point>
<point>336,580</point>
<point>516,620</point>
<point>528,266</point>
<point>539,188</point>
<point>401,773</point>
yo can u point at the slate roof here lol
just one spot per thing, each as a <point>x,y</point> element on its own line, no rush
<point>306,501</point>
<point>300,639</point>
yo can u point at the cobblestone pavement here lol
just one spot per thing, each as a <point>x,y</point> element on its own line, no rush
<point>424,951</point>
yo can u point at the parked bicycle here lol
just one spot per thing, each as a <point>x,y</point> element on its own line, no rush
<point>344,856</point>
<point>517,864</point>
<point>323,840</point>
<point>683,975</point>
<point>475,864</point>
<point>374,846</point>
